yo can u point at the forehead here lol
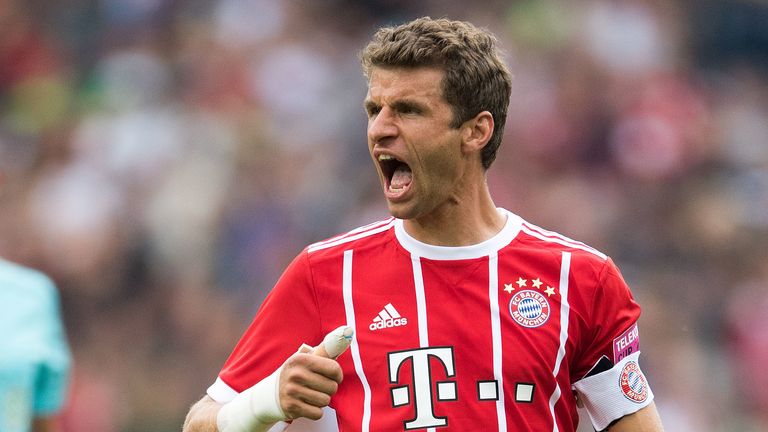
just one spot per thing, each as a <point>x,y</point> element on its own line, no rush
<point>397,83</point>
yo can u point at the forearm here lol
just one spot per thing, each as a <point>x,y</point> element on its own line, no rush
<point>238,415</point>
<point>310,377</point>
<point>202,416</point>
<point>645,420</point>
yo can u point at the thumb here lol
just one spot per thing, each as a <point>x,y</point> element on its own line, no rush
<point>335,342</point>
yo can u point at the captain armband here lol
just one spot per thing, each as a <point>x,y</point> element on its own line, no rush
<point>614,393</point>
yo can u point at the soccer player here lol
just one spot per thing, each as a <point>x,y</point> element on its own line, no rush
<point>465,316</point>
<point>34,355</point>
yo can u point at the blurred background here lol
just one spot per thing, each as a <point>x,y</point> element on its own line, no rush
<point>163,160</point>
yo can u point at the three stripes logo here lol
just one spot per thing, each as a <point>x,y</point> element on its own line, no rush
<point>387,318</point>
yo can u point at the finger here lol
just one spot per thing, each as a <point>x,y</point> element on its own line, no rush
<point>313,371</point>
<point>335,342</point>
<point>296,408</point>
<point>315,398</point>
<point>327,385</point>
<point>309,394</point>
<point>303,392</point>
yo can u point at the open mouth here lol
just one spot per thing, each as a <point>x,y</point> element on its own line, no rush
<point>397,173</point>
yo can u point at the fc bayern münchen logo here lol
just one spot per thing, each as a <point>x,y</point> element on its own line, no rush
<point>529,308</point>
<point>632,383</point>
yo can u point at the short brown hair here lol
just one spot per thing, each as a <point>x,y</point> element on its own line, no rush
<point>476,78</point>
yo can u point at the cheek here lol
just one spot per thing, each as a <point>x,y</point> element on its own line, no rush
<point>444,162</point>
<point>443,166</point>
<point>439,174</point>
<point>370,154</point>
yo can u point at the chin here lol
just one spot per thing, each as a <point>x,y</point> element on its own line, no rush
<point>399,211</point>
<point>405,211</point>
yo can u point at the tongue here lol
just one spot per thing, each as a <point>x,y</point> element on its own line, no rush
<point>401,177</point>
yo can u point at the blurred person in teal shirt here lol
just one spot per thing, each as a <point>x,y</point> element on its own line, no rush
<point>34,355</point>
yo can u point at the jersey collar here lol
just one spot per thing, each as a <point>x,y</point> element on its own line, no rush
<point>492,245</point>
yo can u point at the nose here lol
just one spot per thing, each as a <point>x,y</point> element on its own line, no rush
<point>382,126</point>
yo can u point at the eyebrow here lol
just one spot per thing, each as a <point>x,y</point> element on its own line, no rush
<point>399,105</point>
<point>408,105</point>
<point>370,105</point>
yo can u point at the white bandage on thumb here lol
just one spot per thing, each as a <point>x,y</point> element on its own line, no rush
<point>335,342</point>
<point>255,409</point>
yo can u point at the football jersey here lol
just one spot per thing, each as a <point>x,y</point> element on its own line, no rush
<point>34,356</point>
<point>492,336</point>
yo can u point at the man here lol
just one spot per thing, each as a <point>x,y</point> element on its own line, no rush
<point>34,356</point>
<point>465,317</point>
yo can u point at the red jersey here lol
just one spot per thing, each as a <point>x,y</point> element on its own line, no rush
<point>485,337</point>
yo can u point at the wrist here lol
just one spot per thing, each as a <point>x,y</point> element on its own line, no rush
<point>253,410</point>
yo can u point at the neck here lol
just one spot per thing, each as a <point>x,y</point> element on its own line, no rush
<point>458,223</point>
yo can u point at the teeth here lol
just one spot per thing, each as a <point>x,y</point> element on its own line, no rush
<point>386,157</point>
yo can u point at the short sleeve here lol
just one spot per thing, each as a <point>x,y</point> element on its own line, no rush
<point>610,382</point>
<point>288,317</point>
<point>612,322</point>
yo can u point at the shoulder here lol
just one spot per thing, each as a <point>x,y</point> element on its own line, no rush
<point>537,236</point>
<point>582,258</point>
<point>370,234</point>
<point>27,292</point>
<point>20,277</point>
<point>595,281</point>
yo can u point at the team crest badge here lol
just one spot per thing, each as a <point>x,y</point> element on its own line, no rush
<point>529,308</point>
<point>632,383</point>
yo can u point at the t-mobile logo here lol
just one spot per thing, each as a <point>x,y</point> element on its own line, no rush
<point>422,384</point>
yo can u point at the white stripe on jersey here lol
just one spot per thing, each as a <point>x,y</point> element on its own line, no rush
<point>565,309</point>
<point>357,230</point>
<point>421,306</point>
<point>349,310</point>
<point>421,302</point>
<point>355,234</point>
<point>493,294</point>
<point>553,237</point>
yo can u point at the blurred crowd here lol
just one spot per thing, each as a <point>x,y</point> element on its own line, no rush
<point>163,161</point>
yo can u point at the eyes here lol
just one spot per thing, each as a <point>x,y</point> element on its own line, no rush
<point>399,108</point>
<point>372,109</point>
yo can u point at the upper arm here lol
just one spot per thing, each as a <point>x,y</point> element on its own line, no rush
<point>609,380</point>
<point>272,336</point>
<point>610,315</point>
<point>644,420</point>
<point>202,416</point>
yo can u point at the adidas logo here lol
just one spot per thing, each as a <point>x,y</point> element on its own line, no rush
<point>388,317</point>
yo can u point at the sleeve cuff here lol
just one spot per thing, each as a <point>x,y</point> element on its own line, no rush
<point>221,392</point>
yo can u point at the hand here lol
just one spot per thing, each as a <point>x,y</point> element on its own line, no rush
<point>310,377</point>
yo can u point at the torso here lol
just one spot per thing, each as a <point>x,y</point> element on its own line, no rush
<point>457,338</point>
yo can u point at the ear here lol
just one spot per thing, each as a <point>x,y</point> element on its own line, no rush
<point>476,132</point>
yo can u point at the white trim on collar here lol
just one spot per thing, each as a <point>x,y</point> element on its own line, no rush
<point>493,244</point>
